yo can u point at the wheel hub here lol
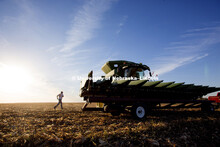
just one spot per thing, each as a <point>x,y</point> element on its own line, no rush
<point>140,112</point>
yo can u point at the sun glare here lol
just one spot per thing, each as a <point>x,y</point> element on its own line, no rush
<point>14,79</point>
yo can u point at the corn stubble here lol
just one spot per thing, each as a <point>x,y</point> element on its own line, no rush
<point>41,125</point>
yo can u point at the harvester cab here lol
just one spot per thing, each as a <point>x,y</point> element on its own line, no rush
<point>124,69</point>
<point>116,70</point>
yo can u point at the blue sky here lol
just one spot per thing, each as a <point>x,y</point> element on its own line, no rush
<point>56,40</point>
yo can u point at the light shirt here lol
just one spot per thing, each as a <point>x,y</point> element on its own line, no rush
<point>60,96</point>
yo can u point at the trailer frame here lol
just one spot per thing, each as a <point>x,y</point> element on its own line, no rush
<point>115,105</point>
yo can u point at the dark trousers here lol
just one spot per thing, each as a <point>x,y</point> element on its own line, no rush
<point>60,102</point>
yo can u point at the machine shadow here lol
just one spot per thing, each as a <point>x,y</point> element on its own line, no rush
<point>174,114</point>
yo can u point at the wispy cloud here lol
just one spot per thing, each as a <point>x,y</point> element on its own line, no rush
<point>82,29</point>
<point>121,24</point>
<point>25,16</point>
<point>194,45</point>
<point>167,65</point>
<point>85,22</point>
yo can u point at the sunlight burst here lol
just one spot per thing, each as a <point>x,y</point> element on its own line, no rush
<point>14,79</point>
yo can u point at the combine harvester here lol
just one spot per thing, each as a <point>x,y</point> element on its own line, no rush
<point>125,88</point>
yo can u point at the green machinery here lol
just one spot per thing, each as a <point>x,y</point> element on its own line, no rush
<point>125,87</point>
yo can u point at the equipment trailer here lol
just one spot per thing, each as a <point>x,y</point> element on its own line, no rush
<point>125,88</point>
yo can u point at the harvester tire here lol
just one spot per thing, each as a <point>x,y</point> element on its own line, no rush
<point>139,111</point>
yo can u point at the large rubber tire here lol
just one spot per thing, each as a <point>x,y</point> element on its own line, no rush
<point>113,109</point>
<point>139,111</point>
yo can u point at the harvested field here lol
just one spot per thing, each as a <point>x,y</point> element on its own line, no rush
<point>40,125</point>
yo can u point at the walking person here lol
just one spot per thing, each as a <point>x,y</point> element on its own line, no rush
<point>59,97</point>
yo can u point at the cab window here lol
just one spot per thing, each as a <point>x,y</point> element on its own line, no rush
<point>126,74</point>
<point>140,74</point>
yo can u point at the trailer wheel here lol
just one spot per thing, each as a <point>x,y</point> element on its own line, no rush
<point>139,111</point>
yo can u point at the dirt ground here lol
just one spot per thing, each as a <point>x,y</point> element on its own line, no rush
<point>40,125</point>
